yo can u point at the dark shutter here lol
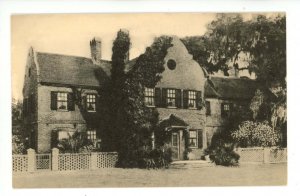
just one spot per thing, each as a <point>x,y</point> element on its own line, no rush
<point>200,139</point>
<point>178,98</point>
<point>222,110</point>
<point>25,106</point>
<point>164,97</point>
<point>207,105</point>
<point>84,102</point>
<point>157,98</point>
<point>185,99</point>
<point>53,101</point>
<point>97,102</point>
<point>71,102</point>
<point>198,100</point>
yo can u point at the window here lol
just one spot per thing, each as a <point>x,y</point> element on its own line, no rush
<point>91,135</point>
<point>192,99</point>
<point>91,102</point>
<point>193,138</point>
<point>171,64</point>
<point>149,96</point>
<point>225,110</point>
<point>175,139</point>
<point>171,98</point>
<point>62,101</point>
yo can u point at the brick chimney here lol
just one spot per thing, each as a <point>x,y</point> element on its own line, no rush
<point>95,45</point>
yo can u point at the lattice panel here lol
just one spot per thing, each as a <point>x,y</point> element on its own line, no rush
<point>252,155</point>
<point>278,155</point>
<point>105,160</point>
<point>73,161</point>
<point>43,161</point>
<point>20,163</point>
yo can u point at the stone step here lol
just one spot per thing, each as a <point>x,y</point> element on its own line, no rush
<point>190,164</point>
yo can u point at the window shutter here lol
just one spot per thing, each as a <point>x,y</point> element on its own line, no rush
<point>185,99</point>
<point>97,102</point>
<point>222,110</point>
<point>157,98</point>
<point>207,105</point>
<point>84,102</point>
<point>164,97</point>
<point>53,101</point>
<point>71,102</point>
<point>200,139</point>
<point>198,100</point>
<point>25,106</point>
<point>178,98</point>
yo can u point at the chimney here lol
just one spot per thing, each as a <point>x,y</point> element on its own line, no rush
<point>95,45</point>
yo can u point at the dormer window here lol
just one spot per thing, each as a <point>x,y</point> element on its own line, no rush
<point>192,99</point>
<point>149,96</point>
<point>171,98</point>
<point>91,102</point>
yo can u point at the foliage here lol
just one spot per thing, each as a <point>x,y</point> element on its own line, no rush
<point>146,158</point>
<point>221,149</point>
<point>264,39</point>
<point>224,155</point>
<point>256,134</point>
<point>17,117</point>
<point>128,124</point>
<point>18,145</point>
<point>76,142</point>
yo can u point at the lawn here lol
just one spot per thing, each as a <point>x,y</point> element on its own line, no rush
<point>245,175</point>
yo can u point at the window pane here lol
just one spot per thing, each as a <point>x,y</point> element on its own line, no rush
<point>193,134</point>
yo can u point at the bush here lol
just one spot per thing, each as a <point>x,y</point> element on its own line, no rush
<point>256,134</point>
<point>224,155</point>
<point>145,158</point>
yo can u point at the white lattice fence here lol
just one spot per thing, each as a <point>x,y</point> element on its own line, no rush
<point>107,159</point>
<point>20,163</point>
<point>78,161</point>
<point>278,155</point>
<point>251,154</point>
<point>43,161</point>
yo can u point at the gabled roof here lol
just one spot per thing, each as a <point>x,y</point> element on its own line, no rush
<point>73,70</point>
<point>230,88</point>
<point>173,120</point>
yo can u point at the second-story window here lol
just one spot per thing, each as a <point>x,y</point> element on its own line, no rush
<point>192,99</point>
<point>149,96</point>
<point>91,102</point>
<point>62,101</point>
<point>91,135</point>
<point>171,98</point>
<point>226,109</point>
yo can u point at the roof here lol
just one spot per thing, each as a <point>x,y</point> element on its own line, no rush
<point>74,70</point>
<point>230,88</point>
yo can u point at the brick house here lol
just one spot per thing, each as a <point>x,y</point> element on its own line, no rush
<point>191,104</point>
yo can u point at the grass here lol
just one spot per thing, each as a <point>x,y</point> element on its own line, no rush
<point>245,175</point>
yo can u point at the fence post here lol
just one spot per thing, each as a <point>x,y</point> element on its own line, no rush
<point>55,153</point>
<point>31,160</point>
<point>94,160</point>
<point>267,152</point>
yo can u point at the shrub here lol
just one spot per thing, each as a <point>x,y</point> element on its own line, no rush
<point>18,145</point>
<point>256,134</point>
<point>145,158</point>
<point>224,155</point>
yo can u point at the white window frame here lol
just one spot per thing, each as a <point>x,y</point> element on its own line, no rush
<point>92,135</point>
<point>193,138</point>
<point>171,98</point>
<point>192,98</point>
<point>149,97</point>
<point>62,97</point>
<point>91,99</point>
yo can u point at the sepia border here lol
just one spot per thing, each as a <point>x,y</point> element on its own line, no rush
<point>68,6</point>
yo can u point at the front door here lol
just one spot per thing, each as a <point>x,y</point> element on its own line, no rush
<point>175,142</point>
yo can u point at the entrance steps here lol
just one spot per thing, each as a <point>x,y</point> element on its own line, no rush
<point>187,164</point>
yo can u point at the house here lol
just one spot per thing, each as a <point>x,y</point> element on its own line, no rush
<point>191,104</point>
